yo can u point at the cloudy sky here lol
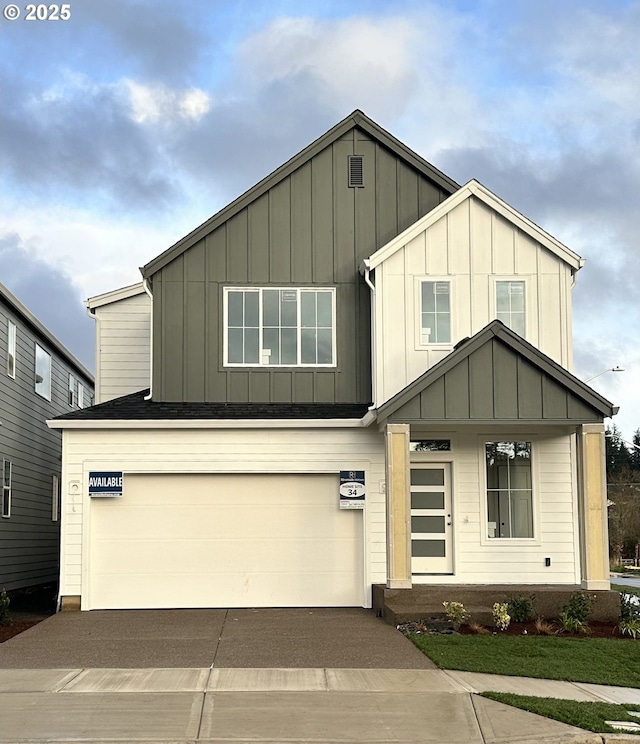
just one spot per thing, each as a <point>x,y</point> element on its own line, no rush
<point>124,127</point>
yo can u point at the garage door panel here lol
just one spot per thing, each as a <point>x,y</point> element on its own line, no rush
<point>209,541</point>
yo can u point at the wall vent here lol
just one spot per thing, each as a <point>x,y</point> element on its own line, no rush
<point>356,172</point>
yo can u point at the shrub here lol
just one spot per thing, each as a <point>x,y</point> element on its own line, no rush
<point>521,608</point>
<point>572,624</point>
<point>4,607</point>
<point>578,607</point>
<point>630,627</point>
<point>456,612</point>
<point>629,615</point>
<point>479,629</point>
<point>501,616</point>
<point>544,628</point>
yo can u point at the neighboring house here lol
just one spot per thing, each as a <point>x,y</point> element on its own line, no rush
<point>39,379</point>
<point>355,323</point>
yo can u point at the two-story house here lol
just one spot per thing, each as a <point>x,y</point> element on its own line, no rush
<point>358,375</point>
<point>39,379</point>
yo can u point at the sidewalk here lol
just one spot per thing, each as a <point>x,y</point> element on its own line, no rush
<point>377,706</point>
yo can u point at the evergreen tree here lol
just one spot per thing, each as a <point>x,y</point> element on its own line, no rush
<point>618,456</point>
<point>635,451</point>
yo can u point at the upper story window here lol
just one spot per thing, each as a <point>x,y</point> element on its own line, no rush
<point>43,373</point>
<point>510,305</point>
<point>509,489</point>
<point>12,333</point>
<point>268,327</point>
<point>6,489</point>
<point>435,312</point>
<point>72,390</point>
<point>81,400</point>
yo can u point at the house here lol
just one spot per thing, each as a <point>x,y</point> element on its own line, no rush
<point>39,379</point>
<point>359,386</point>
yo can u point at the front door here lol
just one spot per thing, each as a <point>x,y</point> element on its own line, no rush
<point>431,519</point>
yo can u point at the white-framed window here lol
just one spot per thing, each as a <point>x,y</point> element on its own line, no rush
<point>275,327</point>
<point>509,483</point>
<point>511,305</point>
<point>72,390</point>
<point>12,335</point>
<point>81,402</point>
<point>43,373</point>
<point>55,498</point>
<point>6,488</point>
<point>435,312</point>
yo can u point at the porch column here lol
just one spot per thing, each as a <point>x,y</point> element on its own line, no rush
<point>398,507</point>
<point>592,496</point>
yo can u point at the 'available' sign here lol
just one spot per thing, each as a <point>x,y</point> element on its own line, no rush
<point>105,484</point>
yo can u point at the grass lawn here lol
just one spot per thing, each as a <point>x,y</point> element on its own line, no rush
<point>626,589</point>
<point>597,660</point>
<point>590,716</point>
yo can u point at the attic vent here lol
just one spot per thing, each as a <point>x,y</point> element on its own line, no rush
<point>356,172</point>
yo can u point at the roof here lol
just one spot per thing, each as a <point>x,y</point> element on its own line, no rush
<point>135,407</point>
<point>475,189</point>
<point>497,376</point>
<point>42,331</point>
<point>115,295</point>
<point>355,119</point>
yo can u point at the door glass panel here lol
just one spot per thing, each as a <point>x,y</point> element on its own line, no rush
<point>428,548</point>
<point>425,477</point>
<point>427,524</point>
<point>427,500</point>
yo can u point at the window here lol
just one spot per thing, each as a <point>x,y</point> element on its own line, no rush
<point>6,489</point>
<point>430,445</point>
<point>72,390</point>
<point>80,395</point>
<point>55,498</point>
<point>510,307</point>
<point>280,327</point>
<point>43,373</point>
<point>11,349</point>
<point>435,313</point>
<point>509,490</point>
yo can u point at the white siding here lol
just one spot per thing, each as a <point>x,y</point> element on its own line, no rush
<point>472,247</point>
<point>123,347</point>
<point>477,559</point>
<point>218,451</point>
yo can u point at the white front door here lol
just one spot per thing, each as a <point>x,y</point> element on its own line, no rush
<point>431,519</point>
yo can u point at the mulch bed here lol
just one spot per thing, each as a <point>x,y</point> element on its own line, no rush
<point>14,627</point>
<point>596,630</point>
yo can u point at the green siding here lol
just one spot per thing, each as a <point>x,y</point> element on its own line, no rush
<point>308,229</point>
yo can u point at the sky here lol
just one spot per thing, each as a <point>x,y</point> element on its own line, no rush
<point>130,123</point>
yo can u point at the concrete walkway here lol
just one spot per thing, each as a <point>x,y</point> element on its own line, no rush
<point>181,677</point>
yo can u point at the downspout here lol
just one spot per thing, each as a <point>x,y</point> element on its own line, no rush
<point>372,287</point>
<point>145,285</point>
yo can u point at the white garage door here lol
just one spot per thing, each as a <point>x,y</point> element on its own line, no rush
<point>225,541</point>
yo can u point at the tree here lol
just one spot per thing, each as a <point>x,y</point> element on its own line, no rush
<point>617,454</point>
<point>635,451</point>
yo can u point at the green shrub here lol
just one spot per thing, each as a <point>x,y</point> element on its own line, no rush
<point>501,616</point>
<point>456,612</point>
<point>629,615</point>
<point>521,608</point>
<point>572,624</point>
<point>4,607</point>
<point>578,607</point>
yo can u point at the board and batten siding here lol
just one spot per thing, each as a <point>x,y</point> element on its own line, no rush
<point>217,451</point>
<point>308,230</point>
<point>471,247</point>
<point>123,347</point>
<point>30,538</point>
<point>479,561</point>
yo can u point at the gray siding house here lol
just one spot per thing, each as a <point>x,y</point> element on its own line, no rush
<point>359,389</point>
<point>39,378</point>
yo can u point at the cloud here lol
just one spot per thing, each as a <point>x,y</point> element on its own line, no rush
<point>49,294</point>
<point>160,104</point>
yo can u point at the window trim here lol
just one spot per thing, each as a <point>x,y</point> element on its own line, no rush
<point>80,399</point>
<point>6,490</point>
<point>72,396</point>
<point>35,371</point>
<point>260,364</point>
<point>493,299</point>
<point>417,294</point>
<point>12,342</point>
<point>492,438</point>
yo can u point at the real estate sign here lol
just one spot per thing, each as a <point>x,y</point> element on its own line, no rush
<point>105,484</point>
<point>352,490</point>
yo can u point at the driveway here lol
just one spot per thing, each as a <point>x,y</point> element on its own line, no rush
<point>249,638</point>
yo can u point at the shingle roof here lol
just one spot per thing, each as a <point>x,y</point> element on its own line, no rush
<point>134,407</point>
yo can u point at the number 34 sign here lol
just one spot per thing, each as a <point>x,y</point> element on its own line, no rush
<point>352,489</point>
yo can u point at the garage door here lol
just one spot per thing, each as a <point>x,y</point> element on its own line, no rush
<point>225,541</point>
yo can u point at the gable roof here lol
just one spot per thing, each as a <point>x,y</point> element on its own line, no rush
<point>355,119</point>
<point>41,330</point>
<point>475,189</point>
<point>115,295</point>
<point>496,377</point>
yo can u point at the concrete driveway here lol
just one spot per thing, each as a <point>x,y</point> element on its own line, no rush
<point>259,638</point>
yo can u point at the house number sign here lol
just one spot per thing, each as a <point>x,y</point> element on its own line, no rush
<point>352,490</point>
<point>105,484</point>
